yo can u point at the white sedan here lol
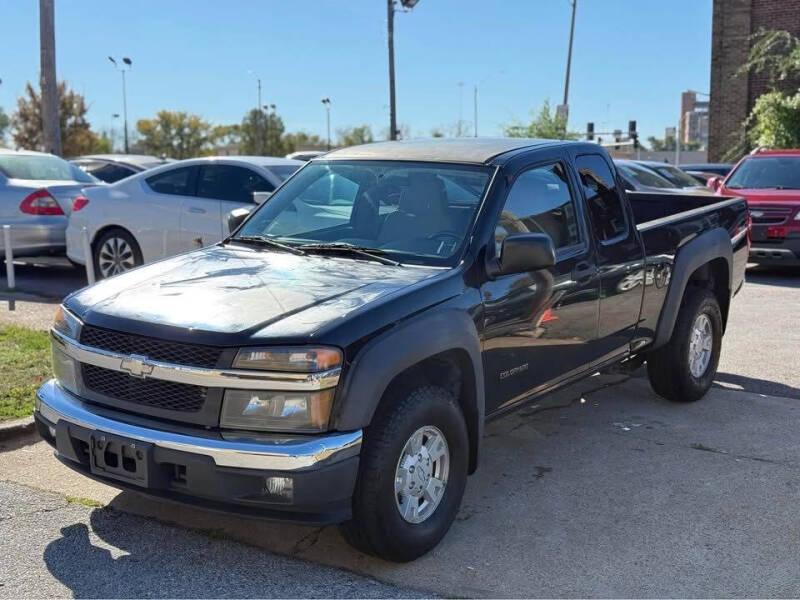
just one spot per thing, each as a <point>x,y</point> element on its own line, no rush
<point>169,209</point>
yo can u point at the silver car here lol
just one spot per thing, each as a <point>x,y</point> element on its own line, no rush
<point>37,192</point>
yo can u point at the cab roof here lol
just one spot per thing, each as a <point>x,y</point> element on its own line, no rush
<point>451,150</point>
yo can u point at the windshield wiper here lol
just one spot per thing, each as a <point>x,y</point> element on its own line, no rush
<point>364,251</point>
<point>267,241</point>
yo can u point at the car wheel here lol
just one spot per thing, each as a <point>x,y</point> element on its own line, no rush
<point>684,369</point>
<point>412,475</point>
<point>115,252</point>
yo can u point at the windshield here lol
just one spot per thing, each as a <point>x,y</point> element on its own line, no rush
<point>675,176</point>
<point>774,172</point>
<point>644,176</point>
<point>283,172</point>
<point>35,166</point>
<point>415,212</point>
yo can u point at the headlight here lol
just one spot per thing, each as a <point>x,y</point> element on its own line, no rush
<point>295,360</point>
<point>277,411</point>
<point>67,324</point>
<point>797,216</point>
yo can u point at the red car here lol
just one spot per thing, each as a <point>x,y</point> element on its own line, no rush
<point>770,181</point>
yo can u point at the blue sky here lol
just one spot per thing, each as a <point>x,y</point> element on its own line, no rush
<point>631,59</point>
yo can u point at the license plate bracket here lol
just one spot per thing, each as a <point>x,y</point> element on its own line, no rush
<point>120,458</point>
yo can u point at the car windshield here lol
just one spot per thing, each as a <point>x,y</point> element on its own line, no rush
<point>36,166</point>
<point>283,172</point>
<point>644,176</point>
<point>774,172</point>
<point>416,213</point>
<point>674,175</point>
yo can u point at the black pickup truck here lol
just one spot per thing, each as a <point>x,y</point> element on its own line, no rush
<point>334,360</point>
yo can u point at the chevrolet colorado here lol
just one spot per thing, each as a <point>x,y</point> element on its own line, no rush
<point>334,360</point>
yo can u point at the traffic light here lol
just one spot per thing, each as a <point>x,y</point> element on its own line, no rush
<point>590,131</point>
<point>633,135</point>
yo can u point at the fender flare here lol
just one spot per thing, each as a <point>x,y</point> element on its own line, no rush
<point>386,356</point>
<point>709,245</point>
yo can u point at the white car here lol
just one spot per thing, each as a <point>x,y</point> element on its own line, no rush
<point>170,209</point>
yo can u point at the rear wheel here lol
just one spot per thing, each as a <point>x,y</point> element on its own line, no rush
<point>684,369</point>
<point>115,252</point>
<point>412,476</point>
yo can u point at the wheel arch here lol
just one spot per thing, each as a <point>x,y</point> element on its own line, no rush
<point>441,348</point>
<point>705,261</point>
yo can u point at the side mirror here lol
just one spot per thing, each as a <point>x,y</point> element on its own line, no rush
<point>522,252</point>
<point>714,183</point>
<point>261,197</point>
<point>236,217</point>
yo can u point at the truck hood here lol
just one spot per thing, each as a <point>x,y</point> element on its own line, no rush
<point>238,290</point>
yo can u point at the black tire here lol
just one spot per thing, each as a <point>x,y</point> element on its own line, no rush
<point>668,367</point>
<point>377,527</point>
<point>100,243</point>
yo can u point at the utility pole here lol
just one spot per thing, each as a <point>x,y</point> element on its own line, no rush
<point>569,54</point>
<point>51,129</point>
<point>392,106</point>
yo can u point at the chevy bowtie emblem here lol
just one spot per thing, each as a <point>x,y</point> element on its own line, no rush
<point>136,366</point>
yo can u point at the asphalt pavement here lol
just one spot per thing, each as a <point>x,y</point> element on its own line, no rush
<point>54,547</point>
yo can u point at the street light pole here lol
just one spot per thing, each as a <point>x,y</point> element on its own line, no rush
<point>392,107</point>
<point>475,106</point>
<point>327,103</point>
<point>129,63</point>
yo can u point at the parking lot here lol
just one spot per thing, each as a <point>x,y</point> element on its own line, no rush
<point>602,489</point>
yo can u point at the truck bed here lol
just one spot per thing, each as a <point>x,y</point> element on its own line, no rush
<point>650,207</point>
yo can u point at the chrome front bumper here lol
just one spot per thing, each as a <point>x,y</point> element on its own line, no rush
<point>273,452</point>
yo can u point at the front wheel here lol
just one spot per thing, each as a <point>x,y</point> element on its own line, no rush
<point>412,475</point>
<point>115,252</point>
<point>684,369</point>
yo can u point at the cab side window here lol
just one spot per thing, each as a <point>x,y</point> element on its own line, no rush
<point>540,202</point>
<point>602,197</point>
<point>174,181</point>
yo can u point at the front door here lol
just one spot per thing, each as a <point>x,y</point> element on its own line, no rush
<point>540,326</point>
<point>220,189</point>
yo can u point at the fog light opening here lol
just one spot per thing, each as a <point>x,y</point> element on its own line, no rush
<point>279,488</point>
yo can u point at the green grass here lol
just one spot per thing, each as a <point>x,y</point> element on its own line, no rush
<point>84,501</point>
<point>24,365</point>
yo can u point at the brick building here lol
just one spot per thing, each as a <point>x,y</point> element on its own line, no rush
<point>734,21</point>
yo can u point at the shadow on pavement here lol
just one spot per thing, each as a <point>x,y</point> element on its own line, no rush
<point>48,279</point>
<point>782,277</point>
<point>757,386</point>
<point>140,558</point>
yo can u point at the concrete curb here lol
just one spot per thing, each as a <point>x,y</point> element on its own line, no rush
<point>16,428</point>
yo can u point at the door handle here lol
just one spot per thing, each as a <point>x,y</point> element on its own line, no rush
<point>584,271</point>
<point>198,210</point>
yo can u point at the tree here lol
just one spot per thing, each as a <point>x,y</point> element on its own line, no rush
<point>352,136</point>
<point>775,121</point>
<point>76,135</point>
<point>4,123</point>
<point>262,134</point>
<point>176,134</point>
<point>546,124</point>
<point>775,117</point>
<point>304,141</point>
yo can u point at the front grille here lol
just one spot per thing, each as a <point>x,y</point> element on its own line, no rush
<point>172,352</point>
<point>769,216</point>
<point>150,392</point>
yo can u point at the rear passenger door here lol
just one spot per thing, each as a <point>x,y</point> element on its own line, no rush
<point>220,189</point>
<point>620,257</point>
<point>540,326</point>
